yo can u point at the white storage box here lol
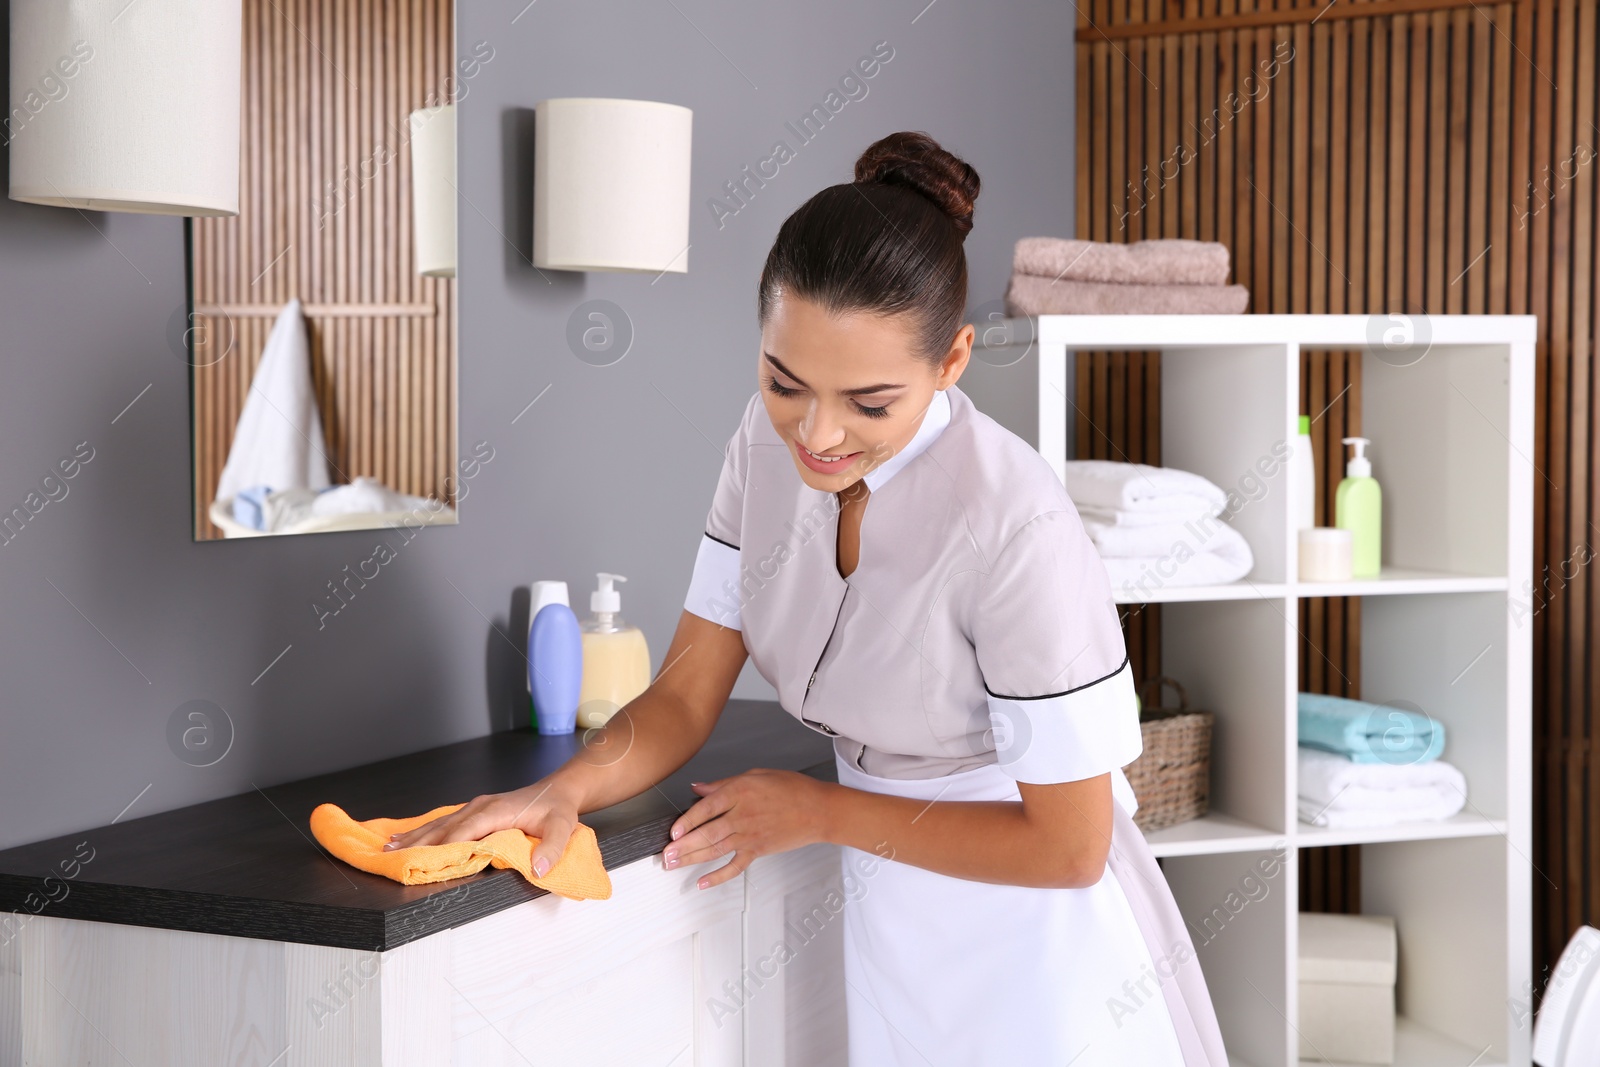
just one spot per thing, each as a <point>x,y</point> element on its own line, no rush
<point>1347,973</point>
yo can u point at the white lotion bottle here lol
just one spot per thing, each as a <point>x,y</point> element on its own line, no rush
<point>1305,478</point>
<point>616,658</point>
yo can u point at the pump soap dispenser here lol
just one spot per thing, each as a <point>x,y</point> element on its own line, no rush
<point>1358,507</point>
<point>616,659</point>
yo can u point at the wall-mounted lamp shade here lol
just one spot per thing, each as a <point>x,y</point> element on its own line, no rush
<point>119,106</point>
<point>433,189</point>
<point>611,185</point>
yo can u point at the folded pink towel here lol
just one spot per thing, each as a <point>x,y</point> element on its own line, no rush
<point>1028,294</point>
<point>1161,261</point>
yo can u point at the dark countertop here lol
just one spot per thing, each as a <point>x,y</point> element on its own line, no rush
<point>247,865</point>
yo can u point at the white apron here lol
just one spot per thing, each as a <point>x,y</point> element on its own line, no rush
<point>941,970</point>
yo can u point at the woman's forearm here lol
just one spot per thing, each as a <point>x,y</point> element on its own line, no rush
<point>647,739</point>
<point>986,841</point>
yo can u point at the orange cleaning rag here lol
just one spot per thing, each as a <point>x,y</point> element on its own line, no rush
<point>579,874</point>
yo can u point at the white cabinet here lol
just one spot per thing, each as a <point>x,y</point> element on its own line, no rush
<point>794,953</point>
<point>662,973</point>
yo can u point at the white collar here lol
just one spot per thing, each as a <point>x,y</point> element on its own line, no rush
<point>934,420</point>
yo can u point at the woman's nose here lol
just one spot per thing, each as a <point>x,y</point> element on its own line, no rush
<point>817,432</point>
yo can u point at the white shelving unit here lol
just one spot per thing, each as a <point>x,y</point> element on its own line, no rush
<point>1444,628</point>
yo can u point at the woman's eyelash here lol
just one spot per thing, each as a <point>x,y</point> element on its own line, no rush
<point>780,390</point>
<point>784,390</point>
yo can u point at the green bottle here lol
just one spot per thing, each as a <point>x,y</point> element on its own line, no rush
<point>1358,507</point>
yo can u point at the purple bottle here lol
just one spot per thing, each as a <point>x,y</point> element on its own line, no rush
<point>555,668</point>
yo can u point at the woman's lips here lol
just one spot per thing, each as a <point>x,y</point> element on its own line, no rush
<point>823,466</point>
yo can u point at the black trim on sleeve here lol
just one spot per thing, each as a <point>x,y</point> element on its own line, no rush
<point>720,541</point>
<point>1064,692</point>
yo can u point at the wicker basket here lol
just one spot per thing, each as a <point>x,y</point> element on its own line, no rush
<point>1172,776</point>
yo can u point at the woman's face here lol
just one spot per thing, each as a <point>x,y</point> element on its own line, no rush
<point>847,386</point>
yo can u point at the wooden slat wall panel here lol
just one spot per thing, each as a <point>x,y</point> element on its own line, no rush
<point>1430,156</point>
<point>325,215</point>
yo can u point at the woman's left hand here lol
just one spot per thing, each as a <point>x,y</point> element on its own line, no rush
<point>756,813</point>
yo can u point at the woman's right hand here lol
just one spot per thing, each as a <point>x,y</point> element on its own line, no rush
<point>544,810</point>
<point>655,734</point>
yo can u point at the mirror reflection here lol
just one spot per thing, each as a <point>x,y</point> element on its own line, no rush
<point>321,331</point>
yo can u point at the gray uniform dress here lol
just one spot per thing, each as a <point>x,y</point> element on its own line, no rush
<point>975,645</point>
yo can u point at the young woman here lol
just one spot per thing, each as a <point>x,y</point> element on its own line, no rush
<point>962,650</point>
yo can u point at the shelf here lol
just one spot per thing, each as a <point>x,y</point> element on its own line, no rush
<point>1439,629</point>
<point>1417,1046</point>
<point>1189,594</point>
<point>1466,824</point>
<point>1212,834</point>
<point>1205,332</point>
<point>1403,580</point>
<point>1391,581</point>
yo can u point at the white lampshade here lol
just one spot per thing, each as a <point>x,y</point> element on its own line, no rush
<point>433,189</point>
<point>119,106</point>
<point>611,185</point>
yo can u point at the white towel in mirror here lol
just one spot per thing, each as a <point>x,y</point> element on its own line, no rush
<point>278,441</point>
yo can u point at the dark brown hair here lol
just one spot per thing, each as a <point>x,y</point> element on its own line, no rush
<point>888,243</point>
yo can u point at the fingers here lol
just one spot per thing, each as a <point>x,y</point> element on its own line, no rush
<point>429,833</point>
<point>439,832</point>
<point>703,843</point>
<point>552,842</point>
<point>484,815</point>
<point>728,870</point>
<point>701,811</point>
<point>469,822</point>
<point>707,843</point>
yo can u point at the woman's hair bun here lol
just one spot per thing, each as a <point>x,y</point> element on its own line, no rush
<point>916,161</point>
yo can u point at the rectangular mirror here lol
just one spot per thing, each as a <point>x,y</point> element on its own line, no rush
<point>323,365</point>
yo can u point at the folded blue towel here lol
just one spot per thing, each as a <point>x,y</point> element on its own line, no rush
<point>1368,733</point>
<point>248,505</point>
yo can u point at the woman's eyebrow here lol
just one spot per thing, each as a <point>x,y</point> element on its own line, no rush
<point>860,391</point>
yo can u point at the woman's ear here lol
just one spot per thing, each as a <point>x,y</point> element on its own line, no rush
<point>955,361</point>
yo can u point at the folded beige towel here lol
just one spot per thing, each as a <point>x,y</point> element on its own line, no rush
<point>1162,261</point>
<point>1030,295</point>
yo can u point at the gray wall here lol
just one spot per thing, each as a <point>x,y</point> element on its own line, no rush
<point>114,617</point>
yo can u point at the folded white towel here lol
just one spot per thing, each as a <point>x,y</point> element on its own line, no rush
<point>1338,792</point>
<point>1325,776</point>
<point>1143,559</point>
<point>1138,578</point>
<point>1139,487</point>
<point>1405,798</point>
<point>1202,534</point>
<point>1183,508</point>
<point>1342,819</point>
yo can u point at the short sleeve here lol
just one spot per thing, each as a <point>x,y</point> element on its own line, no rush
<point>714,584</point>
<point>1055,667</point>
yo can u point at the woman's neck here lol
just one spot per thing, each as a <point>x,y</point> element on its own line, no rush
<point>855,493</point>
